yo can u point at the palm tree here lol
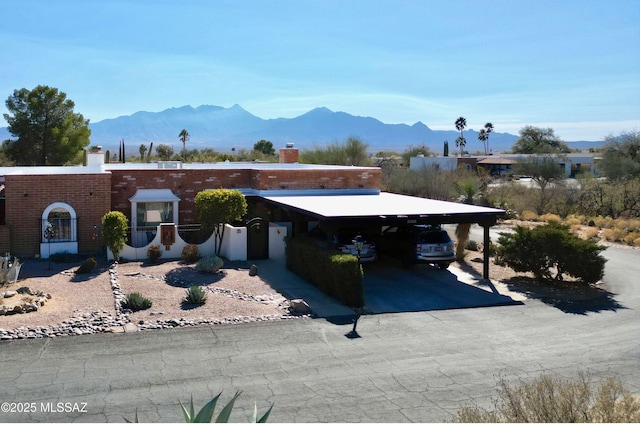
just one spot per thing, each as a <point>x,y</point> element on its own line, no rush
<point>184,137</point>
<point>483,136</point>
<point>488,128</point>
<point>461,123</point>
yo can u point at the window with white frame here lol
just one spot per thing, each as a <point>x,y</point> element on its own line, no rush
<point>151,207</point>
<point>59,223</point>
<point>152,214</point>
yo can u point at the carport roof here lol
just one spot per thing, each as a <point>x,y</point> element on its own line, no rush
<point>387,206</point>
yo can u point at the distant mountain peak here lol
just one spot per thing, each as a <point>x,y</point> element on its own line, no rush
<point>220,128</point>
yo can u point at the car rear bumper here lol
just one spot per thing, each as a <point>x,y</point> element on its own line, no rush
<point>435,258</point>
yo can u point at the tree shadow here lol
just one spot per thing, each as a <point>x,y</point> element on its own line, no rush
<point>569,297</point>
<point>184,277</point>
<point>78,278</point>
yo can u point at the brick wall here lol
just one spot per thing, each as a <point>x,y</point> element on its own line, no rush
<point>186,183</point>
<point>27,196</point>
<point>301,179</point>
<point>5,239</point>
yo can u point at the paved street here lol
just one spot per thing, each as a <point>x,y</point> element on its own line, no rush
<point>405,367</point>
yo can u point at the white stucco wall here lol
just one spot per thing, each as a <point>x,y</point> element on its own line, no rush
<point>234,246</point>
<point>440,163</point>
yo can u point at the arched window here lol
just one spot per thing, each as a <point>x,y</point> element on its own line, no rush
<point>59,223</point>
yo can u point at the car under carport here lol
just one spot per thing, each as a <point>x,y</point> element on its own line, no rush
<point>373,209</point>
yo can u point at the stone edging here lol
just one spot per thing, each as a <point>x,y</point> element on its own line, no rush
<point>99,322</point>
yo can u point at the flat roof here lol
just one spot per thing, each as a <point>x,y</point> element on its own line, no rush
<point>385,206</point>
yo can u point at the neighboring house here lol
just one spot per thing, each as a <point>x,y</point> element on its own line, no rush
<point>572,163</point>
<point>438,163</point>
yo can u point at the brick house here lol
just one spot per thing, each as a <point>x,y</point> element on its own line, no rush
<point>69,202</point>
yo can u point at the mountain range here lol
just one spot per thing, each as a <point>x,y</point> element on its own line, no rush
<point>222,129</point>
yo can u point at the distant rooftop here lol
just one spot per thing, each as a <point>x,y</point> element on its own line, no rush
<point>105,168</point>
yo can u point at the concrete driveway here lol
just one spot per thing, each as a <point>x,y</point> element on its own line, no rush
<point>392,289</point>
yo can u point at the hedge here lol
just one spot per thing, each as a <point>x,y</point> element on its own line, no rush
<point>336,274</point>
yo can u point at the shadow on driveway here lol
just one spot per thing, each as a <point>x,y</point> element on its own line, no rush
<point>390,289</point>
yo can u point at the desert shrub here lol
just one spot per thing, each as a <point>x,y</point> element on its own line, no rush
<point>195,295</point>
<point>210,264</point>
<point>613,234</point>
<point>9,269</point>
<point>636,242</point>
<point>87,266</point>
<point>591,232</point>
<point>602,222</point>
<point>551,399</point>
<point>190,253</point>
<point>549,217</point>
<point>621,223</point>
<point>471,245</point>
<point>551,248</point>
<point>631,237</point>
<point>154,252</point>
<point>574,220</point>
<point>575,228</point>
<point>135,302</point>
<point>528,216</point>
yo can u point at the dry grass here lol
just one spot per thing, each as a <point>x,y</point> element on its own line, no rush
<point>555,400</point>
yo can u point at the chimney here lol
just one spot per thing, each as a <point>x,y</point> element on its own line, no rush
<point>289,154</point>
<point>95,157</point>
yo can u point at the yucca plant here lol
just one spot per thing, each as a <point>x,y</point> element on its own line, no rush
<point>195,295</point>
<point>136,302</point>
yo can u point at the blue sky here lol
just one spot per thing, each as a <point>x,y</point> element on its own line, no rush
<point>572,65</point>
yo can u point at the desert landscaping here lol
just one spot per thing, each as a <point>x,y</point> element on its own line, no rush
<point>90,303</point>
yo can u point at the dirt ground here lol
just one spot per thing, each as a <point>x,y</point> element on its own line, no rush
<point>231,293</point>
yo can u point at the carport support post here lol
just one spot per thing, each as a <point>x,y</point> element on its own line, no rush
<point>486,251</point>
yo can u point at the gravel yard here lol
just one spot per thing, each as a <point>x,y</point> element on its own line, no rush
<point>86,303</point>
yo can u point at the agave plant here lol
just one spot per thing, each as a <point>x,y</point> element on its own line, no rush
<point>206,413</point>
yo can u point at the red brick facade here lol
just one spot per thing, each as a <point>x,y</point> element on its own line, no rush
<point>27,196</point>
<point>91,195</point>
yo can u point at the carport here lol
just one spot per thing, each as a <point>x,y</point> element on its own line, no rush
<point>387,209</point>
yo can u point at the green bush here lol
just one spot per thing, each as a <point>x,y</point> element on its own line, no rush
<point>337,274</point>
<point>154,252</point>
<point>190,253</point>
<point>195,295</point>
<point>551,248</point>
<point>114,231</point>
<point>136,302</point>
<point>210,264</point>
<point>554,400</point>
<point>471,245</point>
